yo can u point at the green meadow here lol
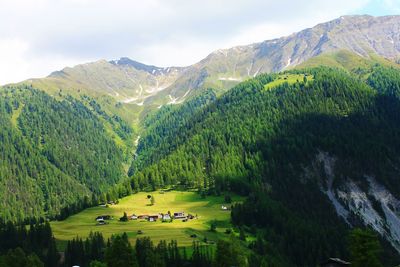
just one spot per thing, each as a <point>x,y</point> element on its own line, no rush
<point>207,209</point>
<point>287,78</point>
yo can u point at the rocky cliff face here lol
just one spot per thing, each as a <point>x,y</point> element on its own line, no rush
<point>373,205</point>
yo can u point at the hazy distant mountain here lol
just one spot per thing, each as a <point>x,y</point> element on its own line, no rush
<point>131,82</point>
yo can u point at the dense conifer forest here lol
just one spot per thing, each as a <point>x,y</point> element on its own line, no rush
<point>260,141</point>
<point>35,246</point>
<point>55,153</point>
<point>233,137</point>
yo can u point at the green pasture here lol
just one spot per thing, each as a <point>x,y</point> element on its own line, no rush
<point>207,210</point>
<point>287,78</point>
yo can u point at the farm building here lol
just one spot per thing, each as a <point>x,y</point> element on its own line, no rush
<point>335,262</point>
<point>143,217</point>
<point>152,218</point>
<point>224,207</point>
<point>179,215</point>
<point>103,217</point>
<point>133,217</point>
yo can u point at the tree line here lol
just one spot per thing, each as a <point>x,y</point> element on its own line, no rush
<point>35,246</point>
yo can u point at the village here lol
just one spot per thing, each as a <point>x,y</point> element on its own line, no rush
<point>151,217</point>
<point>163,217</point>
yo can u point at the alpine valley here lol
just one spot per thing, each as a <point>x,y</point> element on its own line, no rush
<point>296,139</point>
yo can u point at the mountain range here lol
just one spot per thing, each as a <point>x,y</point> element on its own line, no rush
<point>131,82</point>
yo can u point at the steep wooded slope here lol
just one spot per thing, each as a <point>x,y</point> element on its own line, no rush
<point>53,154</point>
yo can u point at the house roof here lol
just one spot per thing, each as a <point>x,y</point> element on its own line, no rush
<point>336,260</point>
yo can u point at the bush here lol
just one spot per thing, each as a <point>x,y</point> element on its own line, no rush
<point>213,226</point>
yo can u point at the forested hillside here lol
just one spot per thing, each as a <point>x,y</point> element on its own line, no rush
<point>270,138</point>
<point>54,154</point>
<point>161,128</point>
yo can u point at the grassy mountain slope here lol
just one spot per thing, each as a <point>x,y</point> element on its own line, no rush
<point>347,60</point>
<point>207,209</point>
<point>120,79</point>
<point>119,89</point>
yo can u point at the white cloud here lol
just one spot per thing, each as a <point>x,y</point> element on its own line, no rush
<point>393,5</point>
<point>17,64</point>
<point>37,37</point>
<point>13,67</point>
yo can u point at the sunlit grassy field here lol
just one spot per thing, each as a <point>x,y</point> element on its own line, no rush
<point>287,78</point>
<point>207,209</point>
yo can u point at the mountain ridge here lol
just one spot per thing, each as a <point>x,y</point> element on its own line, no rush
<point>132,82</point>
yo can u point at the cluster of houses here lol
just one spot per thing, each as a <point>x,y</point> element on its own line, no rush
<point>101,220</point>
<point>163,217</point>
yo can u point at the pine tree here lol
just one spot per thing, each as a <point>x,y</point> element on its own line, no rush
<point>365,249</point>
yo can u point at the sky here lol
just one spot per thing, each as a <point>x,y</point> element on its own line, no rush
<point>41,36</point>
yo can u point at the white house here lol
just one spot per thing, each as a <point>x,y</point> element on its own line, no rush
<point>152,218</point>
<point>166,217</point>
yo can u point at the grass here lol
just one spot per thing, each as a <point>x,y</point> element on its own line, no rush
<point>15,115</point>
<point>345,59</point>
<point>208,210</point>
<point>287,78</point>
